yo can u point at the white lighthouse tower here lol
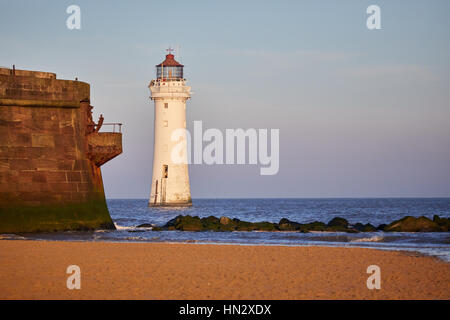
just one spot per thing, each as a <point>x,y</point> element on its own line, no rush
<point>170,180</point>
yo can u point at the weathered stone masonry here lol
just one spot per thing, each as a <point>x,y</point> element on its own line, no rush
<point>50,156</point>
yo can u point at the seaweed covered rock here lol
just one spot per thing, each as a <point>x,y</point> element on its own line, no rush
<point>335,225</point>
<point>145,225</point>
<point>184,223</point>
<point>243,225</point>
<point>288,225</point>
<point>266,226</point>
<point>412,224</point>
<point>210,223</point>
<point>364,227</point>
<point>224,220</point>
<point>338,222</point>
<point>313,226</point>
<point>444,223</point>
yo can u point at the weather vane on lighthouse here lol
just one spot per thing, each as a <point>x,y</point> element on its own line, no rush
<point>169,50</point>
<point>170,179</point>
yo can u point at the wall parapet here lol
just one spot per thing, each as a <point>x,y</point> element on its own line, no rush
<point>27,73</point>
<point>42,89</point>
<point>39,103</point>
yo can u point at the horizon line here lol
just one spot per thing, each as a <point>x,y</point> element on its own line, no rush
<point>275,198</point>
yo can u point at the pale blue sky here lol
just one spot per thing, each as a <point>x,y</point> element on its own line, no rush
<point>361,113</point>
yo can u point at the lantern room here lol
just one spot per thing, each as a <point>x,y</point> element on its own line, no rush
<point>169,69</point>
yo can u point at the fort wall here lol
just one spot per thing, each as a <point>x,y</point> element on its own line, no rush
<point>49,177</point>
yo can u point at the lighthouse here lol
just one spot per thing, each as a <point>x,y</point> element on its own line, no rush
<point>170,178</point>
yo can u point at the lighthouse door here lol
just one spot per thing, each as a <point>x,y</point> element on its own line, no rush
<point>165,175</point>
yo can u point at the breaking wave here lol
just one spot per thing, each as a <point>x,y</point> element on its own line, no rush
<point>369,239</point>
<point>8,236</point>
<point>131,228</point>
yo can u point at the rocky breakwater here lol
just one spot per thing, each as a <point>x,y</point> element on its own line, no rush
<point>337,224</point>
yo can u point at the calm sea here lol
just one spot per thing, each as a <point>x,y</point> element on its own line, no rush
<point>128,213</point>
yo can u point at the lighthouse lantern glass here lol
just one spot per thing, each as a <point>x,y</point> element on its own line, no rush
<point>172,72</point>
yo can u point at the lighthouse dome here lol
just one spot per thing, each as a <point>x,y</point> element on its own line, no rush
<point>169,68</point>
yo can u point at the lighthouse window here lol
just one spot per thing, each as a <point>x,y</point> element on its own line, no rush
<point>166,123</point>
<point>165,171</point>
<point>166,105</point>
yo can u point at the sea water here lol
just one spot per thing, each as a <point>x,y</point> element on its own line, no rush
<point>129,213</point>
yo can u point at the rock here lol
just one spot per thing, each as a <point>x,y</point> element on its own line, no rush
<point>266,226</point>
<point>226,224</point>
<point>145,225</point>
<point>225,220</point>
<point>444,223</point>
<point>189,223</point>
<point>381,227</point>
<point>288,225</point>
<point>244,226</point>
<point>369,228</point>
<point>184,223</point>
<point>170,225</point>
<point>338,222</point>
<point>313,226</point>
<point>364,227</point>
<point>210,223</point>
<point>412,224</point>
<point>336,225</point>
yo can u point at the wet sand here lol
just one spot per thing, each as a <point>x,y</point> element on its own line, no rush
<point>37,270</point>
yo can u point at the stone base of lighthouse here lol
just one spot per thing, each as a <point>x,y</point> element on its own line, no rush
<point>171,191</point>
<point>181,204</point>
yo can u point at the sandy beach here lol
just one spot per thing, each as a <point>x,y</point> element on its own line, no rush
<point>37,270</point>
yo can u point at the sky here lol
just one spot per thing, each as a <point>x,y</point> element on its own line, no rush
<point>361,113</point>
